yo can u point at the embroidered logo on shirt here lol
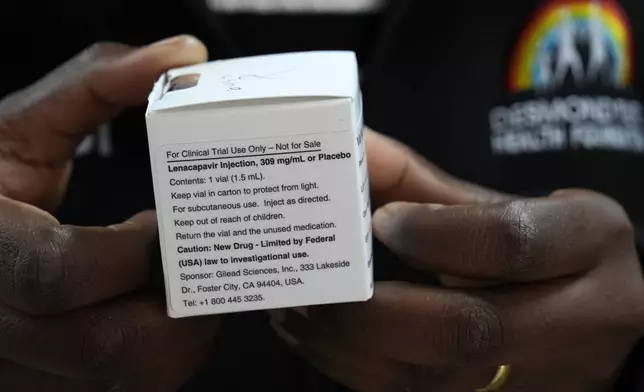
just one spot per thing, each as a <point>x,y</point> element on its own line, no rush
<point>582,41</point>
<point>569,81</point>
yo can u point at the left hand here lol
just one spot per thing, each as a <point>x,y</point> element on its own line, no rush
<point>551,286</point>
<point>76,313</point>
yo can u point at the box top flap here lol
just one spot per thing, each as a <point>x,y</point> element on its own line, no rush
<point>321,74</point>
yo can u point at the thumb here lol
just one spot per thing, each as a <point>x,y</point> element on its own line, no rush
<point>397,173</point>
<point>42,125</point>
<point>51,116</point>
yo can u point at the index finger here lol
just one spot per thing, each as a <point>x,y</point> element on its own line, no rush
<point>48,268</point>
<point>51,116</point>
<point>397,173</point>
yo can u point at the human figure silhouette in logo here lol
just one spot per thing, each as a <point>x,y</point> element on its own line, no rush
<point>568,57</point>
<point>599,65</point>
<point>546,80</point>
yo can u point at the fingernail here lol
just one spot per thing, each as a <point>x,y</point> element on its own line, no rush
<point>304,312</point>
<point>384,217</point>
<point>183,48</point>
<point>278,315</point>
<point>293,328</point>
<point>282,333</point>
<point>176,40</point>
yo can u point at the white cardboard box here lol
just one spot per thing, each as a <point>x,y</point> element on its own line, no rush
<point>261,183</point>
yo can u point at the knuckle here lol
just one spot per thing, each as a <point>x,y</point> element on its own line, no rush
<point>477,331</point>
<point>39,273</point>
<point>104,49</point>
<point>618,223</point>
<point>104,350</point>
<point>608,221</point>
<point>93,60</point>
<point>518,248</point>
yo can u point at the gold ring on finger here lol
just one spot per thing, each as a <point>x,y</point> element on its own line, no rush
<point>501,377</point>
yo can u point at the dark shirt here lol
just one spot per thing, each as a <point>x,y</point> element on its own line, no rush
<point>522,96</point>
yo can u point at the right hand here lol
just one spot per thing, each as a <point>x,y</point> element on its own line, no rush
<point>74,314</point>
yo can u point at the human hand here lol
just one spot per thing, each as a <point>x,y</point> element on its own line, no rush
<point>74,311</point>
<point>551,286</point>
<point>42,125</point>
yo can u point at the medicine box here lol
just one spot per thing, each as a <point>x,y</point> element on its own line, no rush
<point>261,184</point>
